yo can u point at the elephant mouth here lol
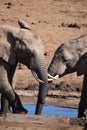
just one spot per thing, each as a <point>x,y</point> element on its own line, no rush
<point>36,76</point>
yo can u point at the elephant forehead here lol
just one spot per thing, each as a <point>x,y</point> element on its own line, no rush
<point>28,34</point>
<point>31,39</point>
<point>36,49</point>
<point>33,44</point>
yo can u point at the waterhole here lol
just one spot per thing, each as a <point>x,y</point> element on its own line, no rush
<point>53,111</point>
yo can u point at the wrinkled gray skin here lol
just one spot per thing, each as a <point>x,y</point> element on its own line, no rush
<point>71,57</point>
<point>20,45</point>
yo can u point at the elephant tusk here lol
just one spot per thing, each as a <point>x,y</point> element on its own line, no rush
<point>55,77</point>
<point>36,77</point>
<point>49,79</point>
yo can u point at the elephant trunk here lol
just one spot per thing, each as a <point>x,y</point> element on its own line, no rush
<point>43,89</point>
<point>43,86</point>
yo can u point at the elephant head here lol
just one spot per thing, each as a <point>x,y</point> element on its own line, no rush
<point>69,57</point>
<point>25,46</point>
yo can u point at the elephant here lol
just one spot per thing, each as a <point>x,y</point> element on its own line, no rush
<point>21,45</point>
<point>69,57</point>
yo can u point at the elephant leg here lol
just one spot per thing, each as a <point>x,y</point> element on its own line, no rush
<point>7,91</point>
<point>83,100</point>
<point>17,107</point>
<point>5,108</point>
<point>12,81</point>
<point>14,102</point>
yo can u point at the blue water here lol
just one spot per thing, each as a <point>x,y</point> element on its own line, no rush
<point>54,110</point>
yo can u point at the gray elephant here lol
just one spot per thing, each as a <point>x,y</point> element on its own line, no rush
<point>68,58</point>
<point>21,45</point>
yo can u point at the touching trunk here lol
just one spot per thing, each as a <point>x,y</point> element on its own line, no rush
<point>43,87</point>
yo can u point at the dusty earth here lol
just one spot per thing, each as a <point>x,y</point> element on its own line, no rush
<point>55,21</point>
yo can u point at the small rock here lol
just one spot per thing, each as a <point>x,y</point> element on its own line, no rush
<point>36,22</point>
<point>73,25</point>
<point>70,25</point>
<point>9,3</point>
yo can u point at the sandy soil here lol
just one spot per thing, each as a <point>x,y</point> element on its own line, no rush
<point>55,21</point>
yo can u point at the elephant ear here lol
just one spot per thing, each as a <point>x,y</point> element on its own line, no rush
<point>82,65</point>
<point>24,25</point>
<point>6,49</point>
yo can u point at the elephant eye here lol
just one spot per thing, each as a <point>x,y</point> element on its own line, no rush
<point>64,60</point>
<point>29,53</point>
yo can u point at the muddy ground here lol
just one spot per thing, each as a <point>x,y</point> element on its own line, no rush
<point>55,21</point>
